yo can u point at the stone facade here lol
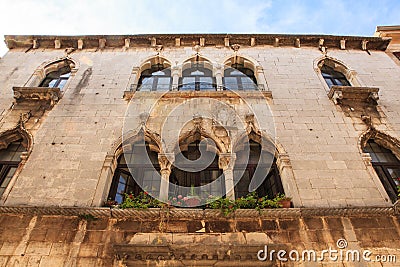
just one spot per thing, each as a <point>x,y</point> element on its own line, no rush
<point>75,137</point>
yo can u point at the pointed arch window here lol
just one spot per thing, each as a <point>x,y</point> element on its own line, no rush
<point>156,78</point>
<point>9,162</point>
<point>238,77</point>
<point>254,162</point>
<point>187,174</point>
<point>135,173</point>
<point>57,79</point>
<point>386,165</point>
<point>333,77</point>
<point>197,77</point>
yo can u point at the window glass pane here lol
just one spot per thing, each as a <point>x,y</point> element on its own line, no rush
<point>52,83</point>
<point>395,174</point>
<point>188,83</point>
<point>163,83</point>
<point>247,83</point>
<point>231,83</point>
<point>62,83</point>
<point>206,83</point>
<point>329,82</point>
<point>147,84</point>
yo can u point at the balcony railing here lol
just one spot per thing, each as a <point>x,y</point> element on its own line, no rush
<point>197,86</point>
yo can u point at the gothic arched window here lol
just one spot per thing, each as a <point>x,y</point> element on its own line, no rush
<point>188,175</point>
<point>238,77</point>
<point>386,165</point>
<point>141,163</point>
<point>255,163</point>
<point>333,77</point>
<point>57,79</point>
<point>197,77</point>
<point>9,161</point>
<point>156,78</point>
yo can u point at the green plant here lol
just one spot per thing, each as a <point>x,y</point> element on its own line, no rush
<point>141,201</point>
<point>226,205</point>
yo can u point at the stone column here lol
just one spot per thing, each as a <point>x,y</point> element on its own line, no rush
<point>262,82</point>
<point>165,161</point>
<point>134,79</point>
<point>226,163</point>
<point>287,176</point>
<point>218,73</point>
<point>175,78</point>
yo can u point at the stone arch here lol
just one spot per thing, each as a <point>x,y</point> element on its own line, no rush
<point>204,128</point>
<point>110,163</point>
<point>6,138</point>
<point>208,63</point>
<point>156,59</point>
<point>248,61</point>
<point>380,138</point>
<point>49,66</point>
<point>337,65</point>
<point>386,141</point>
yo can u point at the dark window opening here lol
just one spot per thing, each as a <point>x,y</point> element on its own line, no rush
<point>132,164</point>
<point>197,78</point>
<point>239,78</point>
<point>256,163</point>
<point>57,79</point>
<point>9,161</point>
<point>157,78</point>
<point>333,77</point>
<point>386,165</point>
<point>186,178</point>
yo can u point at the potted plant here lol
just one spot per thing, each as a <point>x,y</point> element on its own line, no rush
<point>192,199</point>
<point>284,201</point>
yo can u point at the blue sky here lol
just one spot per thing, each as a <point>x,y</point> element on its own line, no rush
<point>337,17</point>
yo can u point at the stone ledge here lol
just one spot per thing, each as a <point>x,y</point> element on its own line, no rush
<point>363,94</point>
<point>179,213</point>
<point>46,94</point>
<point>128,95</point>
<point>154,40</point>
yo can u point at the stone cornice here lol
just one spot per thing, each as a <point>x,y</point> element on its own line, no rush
<point>171,40</point>
<point>178,213</point>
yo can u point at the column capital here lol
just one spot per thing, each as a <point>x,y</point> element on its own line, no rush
<point>226,161</point>
<point>283,161</point>
<point>165,160</point>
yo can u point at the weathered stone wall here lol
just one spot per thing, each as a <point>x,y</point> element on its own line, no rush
<point>72,141</point>
<point>192,237</point>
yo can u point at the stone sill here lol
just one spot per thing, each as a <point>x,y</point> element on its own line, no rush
<point>363,94</point>
<point>37,94</point>
<point>128,95</point>
<point>182,213</point>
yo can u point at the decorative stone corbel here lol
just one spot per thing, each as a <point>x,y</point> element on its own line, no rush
<point>226,161</point>
<point>158,49</point>
<point>364,45</point>
<point>102,43</point>
<point>337,96</point>
<point>226,41</point>
<point>153,41</point>
<point>35,44</point>
<point>373,96</point>
<point>235,47</point>
<point>57,44</point>
<point>283,161</point>
<point>297,43</point>
<point>343,44</point>
<point>202,41</point>
<point>252,41</point>
<point>276,42</point>
<point>127,42</point>
<point>80,44</point>
<point>177,41</point>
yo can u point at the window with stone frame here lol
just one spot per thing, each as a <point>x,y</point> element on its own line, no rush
<point>156,78</point>
<point>9,161</point>
<point>386,165</point>
<point>205,182</point>
<point>238,77</point>
<point>254,163</point>
<point>138,170</point>
<point>197,77</point>
<point>333,77</point>
<point>57,79</point>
